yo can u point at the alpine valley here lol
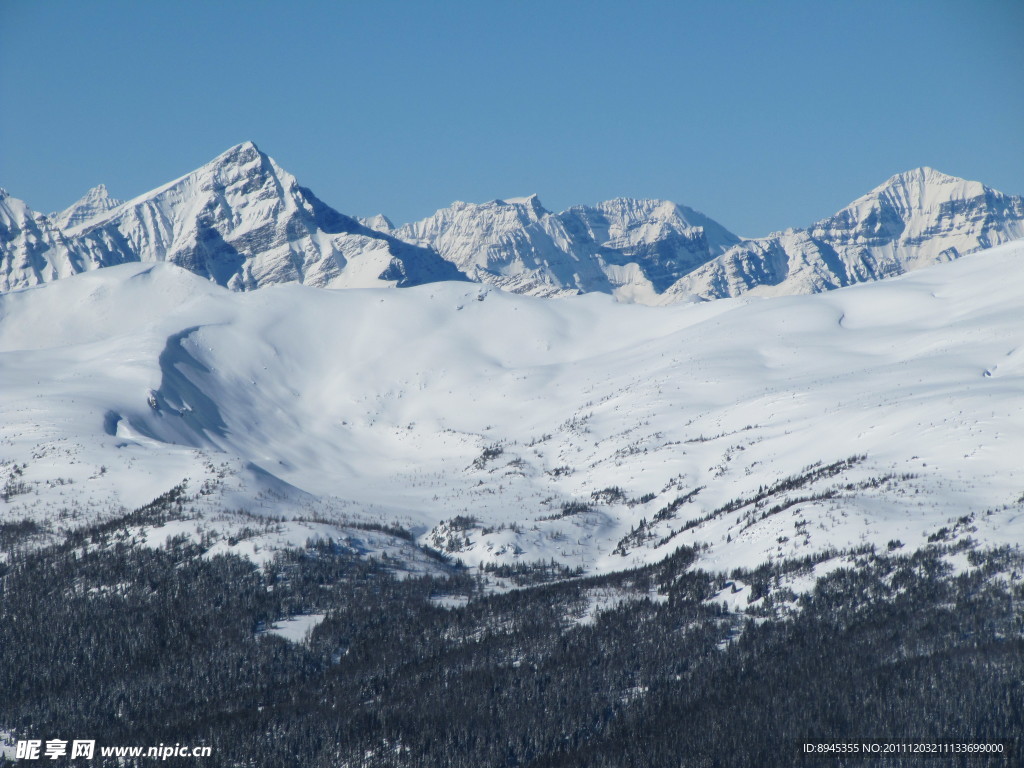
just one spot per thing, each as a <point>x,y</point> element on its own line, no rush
<point>615,427</point>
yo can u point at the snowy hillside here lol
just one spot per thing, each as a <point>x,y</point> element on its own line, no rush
<point>914,219</point>
<point>633,248</point>
<point>505,428</point>
<point>240,221</point>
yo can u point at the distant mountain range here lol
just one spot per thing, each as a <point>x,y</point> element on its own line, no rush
<point>243,222</point>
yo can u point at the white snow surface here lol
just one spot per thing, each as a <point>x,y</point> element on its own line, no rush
<point>471,415</point>
<point>295,629</point>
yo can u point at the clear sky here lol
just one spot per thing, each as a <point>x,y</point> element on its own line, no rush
<point>763,115</point>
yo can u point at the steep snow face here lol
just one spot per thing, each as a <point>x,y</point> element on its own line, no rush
<point>916,218</point>
<point>505,428</point>
<point>630,247</point>
<point>93,204</point>
<point>240,221</point>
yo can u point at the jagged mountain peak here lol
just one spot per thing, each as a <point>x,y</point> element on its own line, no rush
<point>524,209</point>
<point>911,205</point>
<point>240,221</point>
<point>243,152</point>
<point>379,222</point>
<point>922,174</point>
<point>532,199</point>
<point>229,174</point>
<point>99,192</point>
<point>530,203</point>
<point>914,219</point>
<point>474,224</point>
<point>628,209</point>
<point>631,248</point>
<point>923,188</point>
<point>92,204</point>
<point>524,202</point>
<point>630,212</point>
<point>644,204</point>
<point>242,159</point>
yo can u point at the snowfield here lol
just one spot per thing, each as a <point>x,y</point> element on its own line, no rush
<point>501,428</point>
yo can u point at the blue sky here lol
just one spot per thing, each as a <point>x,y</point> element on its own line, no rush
<point>764,115</point>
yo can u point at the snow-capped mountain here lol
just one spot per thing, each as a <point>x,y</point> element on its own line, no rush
<point>657,252</point>
<point>243,222</point>
<point>92,204</point>
<point>914,219</point>
<point>380,222</point>
<point>633,248</point>
<point>507,429</point>
<point>240,221</point>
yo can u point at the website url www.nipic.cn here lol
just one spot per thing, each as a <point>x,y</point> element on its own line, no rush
<point>37,749</point>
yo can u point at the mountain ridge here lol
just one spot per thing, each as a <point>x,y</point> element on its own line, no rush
<point>243,222</point>
<point>913,219</point>
<point>92,204</point>
<point>625,246</point>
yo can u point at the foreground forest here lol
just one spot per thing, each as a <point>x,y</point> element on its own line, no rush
<point>101,639</point>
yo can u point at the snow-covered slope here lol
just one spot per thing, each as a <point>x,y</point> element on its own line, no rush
<point>914,219</point>
<point>505,428</point>
<point>634,248</point>
<point>239,221</point>
<point>32,248</point>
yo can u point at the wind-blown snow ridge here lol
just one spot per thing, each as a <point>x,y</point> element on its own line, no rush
<point>504,428</point>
